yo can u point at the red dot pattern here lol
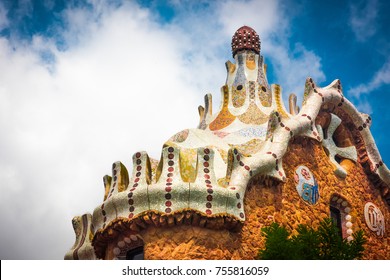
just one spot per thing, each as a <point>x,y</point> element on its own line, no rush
<point>104,215</point>
<point>115,179</point>
<point>276,165</point>
<point>169,180</point>
<point>135,184</point>
<point>241,163</point>
<point>207,177</point>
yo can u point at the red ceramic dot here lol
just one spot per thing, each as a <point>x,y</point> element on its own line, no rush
<point>169,180</point>
<point>280,173</point>
<point>132,189</point>
<point>136,180</point>
<point>139,168</point>
<point>208,212</point>
<point>206,176</point>
<point>232,188</point>
<point>247,167</point>
<point>206,164</point>
<point>238,157</point>
<point>168,189</point>
<point>168,203</point>
<point>138,155</point>
<point>170,169</point>
<point>206,151</point>
<point>131,215</point>
<point>209,186</point>
<point>170,174</point>
<point>171,156</point>
<point>238,205</point>
<point>168,210</point>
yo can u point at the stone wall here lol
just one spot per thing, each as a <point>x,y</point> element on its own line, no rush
<point>267,201</point>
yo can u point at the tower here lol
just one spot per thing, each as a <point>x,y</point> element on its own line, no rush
<point>248,165</point>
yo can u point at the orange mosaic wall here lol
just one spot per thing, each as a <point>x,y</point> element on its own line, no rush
<point>265,202</point>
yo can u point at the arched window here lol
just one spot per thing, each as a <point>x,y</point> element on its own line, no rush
<point>336,217</point>
<point>135,254</point>
<point>339,209</point>
<point>128,247</point>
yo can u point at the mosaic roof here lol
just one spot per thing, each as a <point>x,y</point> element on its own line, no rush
<point>204,172</point>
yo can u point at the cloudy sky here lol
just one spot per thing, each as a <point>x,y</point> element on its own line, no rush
<point>86,83</point>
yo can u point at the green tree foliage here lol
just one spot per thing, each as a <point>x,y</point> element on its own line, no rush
<point>324,243</point>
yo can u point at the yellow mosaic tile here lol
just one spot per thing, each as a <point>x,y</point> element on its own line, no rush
<point>188,164</point>
<point>253,115</point>
<point>224,117</point>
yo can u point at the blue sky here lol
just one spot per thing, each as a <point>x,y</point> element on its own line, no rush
<point>87,83</point>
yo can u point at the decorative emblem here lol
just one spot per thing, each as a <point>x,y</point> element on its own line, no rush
<point>374,218</point>
<point>307,186</point>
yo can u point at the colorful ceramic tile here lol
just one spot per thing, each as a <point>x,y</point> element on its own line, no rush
<point>306,185</point>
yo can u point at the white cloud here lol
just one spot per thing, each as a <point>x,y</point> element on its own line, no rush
<point>379,79</point>
<point>124,83</point>
<point>363,19</point>
<point>119,91</point>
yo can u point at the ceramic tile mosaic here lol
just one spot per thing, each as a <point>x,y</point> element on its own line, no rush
<point>204,172</point>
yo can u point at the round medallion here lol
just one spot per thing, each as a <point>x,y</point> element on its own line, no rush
<point>374,218</point>
<point>306,184</point>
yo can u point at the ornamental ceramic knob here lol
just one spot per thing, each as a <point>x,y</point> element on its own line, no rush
<point>245,38</point>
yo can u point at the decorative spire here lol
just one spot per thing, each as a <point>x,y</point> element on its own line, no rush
<point>245,38</point>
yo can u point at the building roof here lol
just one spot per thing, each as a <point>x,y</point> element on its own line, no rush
<point>204,172</point>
